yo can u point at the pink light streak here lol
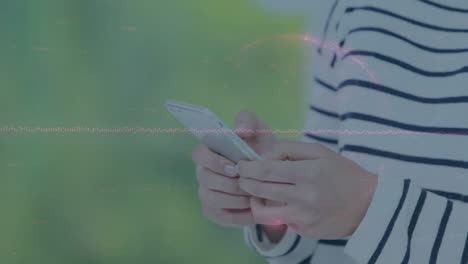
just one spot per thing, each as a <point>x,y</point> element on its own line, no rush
<point>310,39</point>
<point>143,130</point>
<point>307,38</point>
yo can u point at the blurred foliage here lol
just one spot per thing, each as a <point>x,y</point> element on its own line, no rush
<point>95,197</point>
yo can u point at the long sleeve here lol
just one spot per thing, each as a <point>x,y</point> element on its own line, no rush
<point>401,116</point>
<point>419,212</point>
<point>321,124</point>
<point>407,223</point>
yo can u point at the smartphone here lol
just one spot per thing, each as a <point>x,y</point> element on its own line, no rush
<point>210,130</point>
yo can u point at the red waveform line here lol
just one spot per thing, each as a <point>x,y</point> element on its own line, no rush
<point>78,129</point>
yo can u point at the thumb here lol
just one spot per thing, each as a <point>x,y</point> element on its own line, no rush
<point>298,150</point>
<point>254,132</point>
<point>249,126</point>
<point>246,124</point>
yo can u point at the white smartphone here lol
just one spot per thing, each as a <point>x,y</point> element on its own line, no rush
<point>209,129</point>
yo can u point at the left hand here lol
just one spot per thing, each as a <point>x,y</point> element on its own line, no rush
<point>322,195</point>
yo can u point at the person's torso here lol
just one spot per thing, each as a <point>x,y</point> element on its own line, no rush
<point>395,76</point>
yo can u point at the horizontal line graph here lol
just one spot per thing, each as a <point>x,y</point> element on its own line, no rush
<point>147,130</point>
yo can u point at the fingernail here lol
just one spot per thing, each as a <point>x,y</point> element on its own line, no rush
<point>230,170</point>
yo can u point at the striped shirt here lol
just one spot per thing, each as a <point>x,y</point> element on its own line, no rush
<point>393,97</point>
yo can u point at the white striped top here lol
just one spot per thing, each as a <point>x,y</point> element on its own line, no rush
<point>394,99</point>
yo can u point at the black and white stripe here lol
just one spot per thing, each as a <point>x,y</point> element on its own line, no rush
<point>402,69</point>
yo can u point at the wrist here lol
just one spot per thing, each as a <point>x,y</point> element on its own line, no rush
<point>274,232</point>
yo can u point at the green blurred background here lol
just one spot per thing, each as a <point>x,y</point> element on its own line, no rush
<point>95,197</point>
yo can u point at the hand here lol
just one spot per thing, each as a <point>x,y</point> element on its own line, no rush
<point>222,200</point>
<point>326,194</point>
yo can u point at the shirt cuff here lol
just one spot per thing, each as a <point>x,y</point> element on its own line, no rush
<point>264,247</point>
<point>370,232</point>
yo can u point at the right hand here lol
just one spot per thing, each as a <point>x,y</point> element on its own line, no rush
<point>222,200</point>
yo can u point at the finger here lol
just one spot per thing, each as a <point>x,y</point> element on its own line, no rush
<point>283,171</point>
<point>245,124</point>
<point>278,192</point>
<point>298,150</point>
<point>221,200</point>
<point>248,126</point>
<point>268,215</point>
<point>204,157</point>
<point>213,181</point>
<point>229,217</point>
